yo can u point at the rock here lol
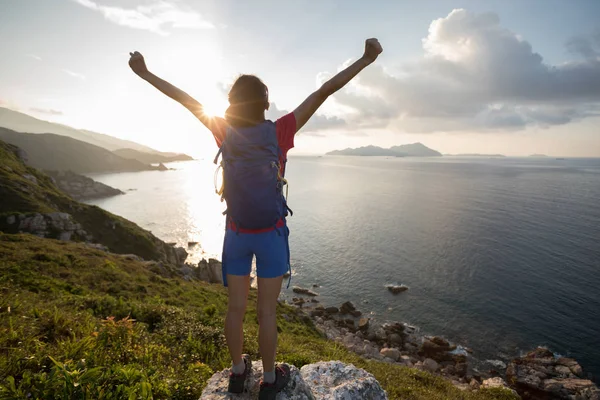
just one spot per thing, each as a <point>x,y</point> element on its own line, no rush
<point>437,349</point>
<point>563,371</point>
<point>332,310</point>
<point>315,286</point>
<point>406,360</point>
<point>474,384</point>
<point>363,324</point>
<point>355,313</point>
<point>313,300</point>
<point>210,271</point>
<point>395,339</point>
<point>430,365</point>
<point>395,289</point>
<point>317,313</point>
<point>461,385</point>
<point>380,334</point>
<point>301,290</point>
<point>395,327</point>
<point>216,388</point>
<point>11,219</point>
<point>347,307</point>
<point>321,381</point>
<point>496,382</point>
<point>392,353</point>
<point>540,375</point>
<point>450,370</point>
<point>162,167</point>
<point>440,341</point>
<point>461,369</point>
<point>31,178</point>
<point>337,381</point>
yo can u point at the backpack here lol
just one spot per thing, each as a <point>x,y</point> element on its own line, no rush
<point>252,177</point>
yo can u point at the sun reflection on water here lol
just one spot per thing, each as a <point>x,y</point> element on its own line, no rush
<point>206,223</point>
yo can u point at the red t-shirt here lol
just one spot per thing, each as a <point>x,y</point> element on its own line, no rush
<point>286,129</point>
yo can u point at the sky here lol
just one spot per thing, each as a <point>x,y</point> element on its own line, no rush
<point>464,76</point>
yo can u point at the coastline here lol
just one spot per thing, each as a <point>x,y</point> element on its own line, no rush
<point>538,371</point>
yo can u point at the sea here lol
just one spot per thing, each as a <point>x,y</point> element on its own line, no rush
<point>500,254</point>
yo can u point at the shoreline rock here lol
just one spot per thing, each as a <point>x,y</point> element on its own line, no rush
<point>541,375</point>
<point>400,343</point>
<point>396,289</point>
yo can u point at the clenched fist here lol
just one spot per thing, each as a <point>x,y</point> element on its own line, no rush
<point>372,49</point>
<point>137,64</point>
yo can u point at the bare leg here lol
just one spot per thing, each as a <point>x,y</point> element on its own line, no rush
<point>238,297</point>
<point>268,292</point>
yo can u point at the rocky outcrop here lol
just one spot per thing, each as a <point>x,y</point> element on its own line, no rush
<point>331,380</point>
<point>336,380</point>
<point>54,225</point>
<point>396,289</point>
<point>209,271</point>
<point>496,382</point>
<point>301,290</point>
<point>541,375</point>
<point>81,187</point>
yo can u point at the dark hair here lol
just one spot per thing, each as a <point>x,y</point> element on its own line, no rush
<point>248,100</point>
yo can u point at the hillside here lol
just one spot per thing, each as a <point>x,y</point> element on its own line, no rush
<point>151,158</point>
<point>61,153</point>
<point>31,202</point>
<point>405,150</point>
<point>83,323</point>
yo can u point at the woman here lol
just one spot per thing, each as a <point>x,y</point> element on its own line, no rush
<point>252,229</point>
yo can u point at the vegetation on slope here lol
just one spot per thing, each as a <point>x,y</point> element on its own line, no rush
<point>25,190</point>
<point>79,323</point>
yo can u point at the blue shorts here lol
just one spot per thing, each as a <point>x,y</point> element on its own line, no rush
<point>271,249</point>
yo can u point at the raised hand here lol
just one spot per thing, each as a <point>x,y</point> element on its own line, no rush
<point>137,64</point>
<point>372,49</point>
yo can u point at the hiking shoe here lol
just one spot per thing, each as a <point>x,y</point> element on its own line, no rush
<point>268,391</point>
<point>237,381</point>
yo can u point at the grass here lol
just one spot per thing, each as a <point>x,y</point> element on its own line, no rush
<point>79,323</point>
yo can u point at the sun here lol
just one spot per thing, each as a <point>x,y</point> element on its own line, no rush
<point>214,105</point>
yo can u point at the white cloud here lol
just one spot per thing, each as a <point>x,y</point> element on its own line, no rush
<point>38,58</point>
<point>74,74</point>
<point>318,122</point>
<point>153,17</point>
<point>476,75</point>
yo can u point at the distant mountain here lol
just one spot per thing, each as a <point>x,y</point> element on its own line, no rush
<point>538,155</point>
<point>405,150</point>
<point>151,158</point>
<point>415,150</point>
<point>477,155</point>
<point>60,153</point>
<point>20,122</point>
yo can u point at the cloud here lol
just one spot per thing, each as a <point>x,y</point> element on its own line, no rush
<point>38,58</point>
<point>74,74</point>
<point>153,17</point>
<point>45,111</point>
<point>476,75</point>
<point>318,122</point>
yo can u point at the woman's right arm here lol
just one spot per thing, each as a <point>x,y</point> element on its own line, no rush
<point>138,65</point>
<point>314,101</point>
